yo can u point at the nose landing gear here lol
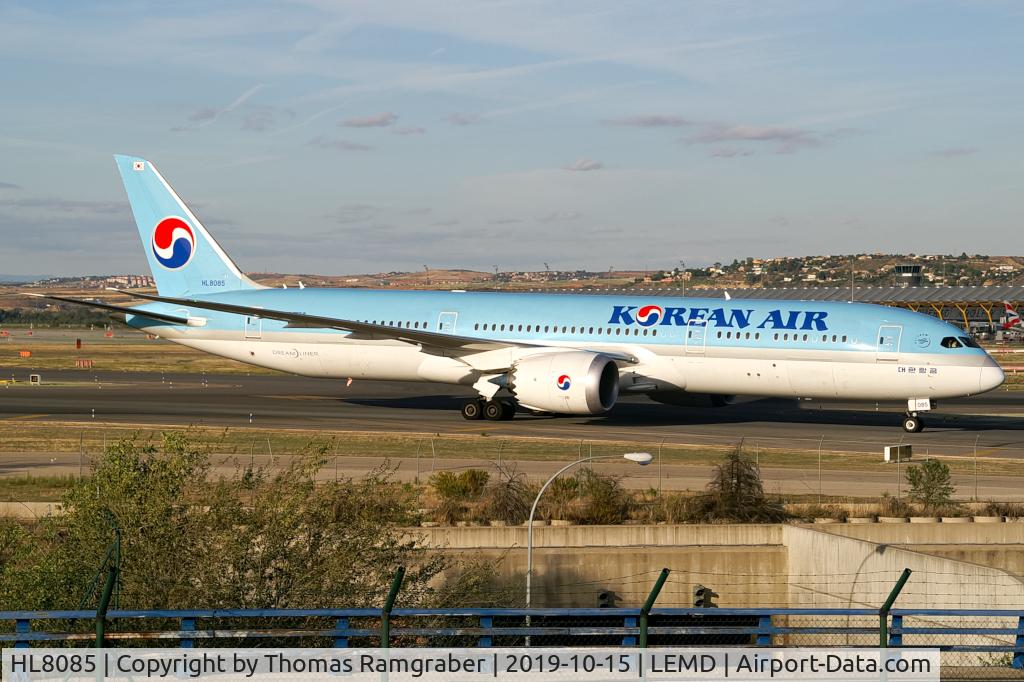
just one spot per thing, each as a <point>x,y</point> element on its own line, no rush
<point>912,423</point>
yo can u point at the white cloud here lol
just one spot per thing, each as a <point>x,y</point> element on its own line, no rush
<point>381,120</point>
<point>459,119</point>
<point>584,165</point>
<point>324,142</point>
<point>650,121</point>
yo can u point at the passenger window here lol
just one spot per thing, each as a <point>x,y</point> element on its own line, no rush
<point>654,332</point>
<point>719,334</point>
<point>598,331</point>
<point>645,332</point>
<point>757,335</point>
<point>785,337</point>
<point>546,327</point>
<point>950,342</point>
<point>564,329</point>
<point>618,331</point>
<point>776,336</point>
<point>833,338</point>
<point>591,331</point>
<point>502,327</point>
<point>747,335</point>
<point>844,338</point>
<point>805,337</point>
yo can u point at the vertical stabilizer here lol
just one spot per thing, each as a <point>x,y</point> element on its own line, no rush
<point>183,257</point>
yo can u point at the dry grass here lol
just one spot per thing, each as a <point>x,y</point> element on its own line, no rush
<point>127,351</point>
<point>21,436</point>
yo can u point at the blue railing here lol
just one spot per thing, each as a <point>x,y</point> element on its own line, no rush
<point>998,634</point>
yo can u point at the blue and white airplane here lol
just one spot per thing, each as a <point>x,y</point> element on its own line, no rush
<point>549,353</point>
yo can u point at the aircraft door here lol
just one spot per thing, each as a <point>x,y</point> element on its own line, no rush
<point>446,323</point>
<point>253,327</point>
<point>696,337</point>
<point>888,343</point>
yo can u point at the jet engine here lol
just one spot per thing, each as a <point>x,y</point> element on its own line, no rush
<point>570,382</point>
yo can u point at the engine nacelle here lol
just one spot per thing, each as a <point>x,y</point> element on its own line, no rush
<point>683,399</point>
<point>573,382</point>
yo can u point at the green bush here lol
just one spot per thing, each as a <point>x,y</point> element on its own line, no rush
<point>672,508</point>
<point>256,539</point>
<point>1013,510</point>
<point>736,494</point>
<point>464,486</point>
<point>559,498</point>
<point>508,499</point>
<point>604,500</point>
<point>892,506</point>
<point>931,485</point>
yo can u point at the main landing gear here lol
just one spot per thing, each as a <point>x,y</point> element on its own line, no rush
<point>493,410</point>
<point>912,423</point>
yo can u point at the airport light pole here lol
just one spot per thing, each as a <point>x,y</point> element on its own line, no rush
<point>641,458</point>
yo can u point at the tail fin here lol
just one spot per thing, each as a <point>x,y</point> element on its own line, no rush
<point>183,256</point>
<point>1012,317</point>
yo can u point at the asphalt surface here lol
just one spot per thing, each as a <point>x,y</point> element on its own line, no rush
<point>994,422</point>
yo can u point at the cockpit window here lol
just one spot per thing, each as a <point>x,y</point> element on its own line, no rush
<point>969,342</point>
<point>951,342</point>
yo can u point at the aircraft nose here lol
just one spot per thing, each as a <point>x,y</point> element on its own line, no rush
<point>991,376</point>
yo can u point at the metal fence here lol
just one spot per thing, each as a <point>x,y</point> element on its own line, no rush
<point>974,643</point>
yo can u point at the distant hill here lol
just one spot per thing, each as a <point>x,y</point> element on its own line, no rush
<point>21,279</point>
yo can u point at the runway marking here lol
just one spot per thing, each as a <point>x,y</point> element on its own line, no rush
<point>28,416</point>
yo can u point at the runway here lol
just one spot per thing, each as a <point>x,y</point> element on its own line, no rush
<point>994,422</point>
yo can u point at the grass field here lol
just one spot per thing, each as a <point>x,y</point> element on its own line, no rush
<point>34,488</point>
<point>74,437</point>
<point>126,351</point>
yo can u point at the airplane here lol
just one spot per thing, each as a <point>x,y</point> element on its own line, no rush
<point>1012,320</point>
<point>547,353</point>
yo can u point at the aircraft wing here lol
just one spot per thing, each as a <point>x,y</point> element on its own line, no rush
<point>162,317</point>
<point>302,320</point>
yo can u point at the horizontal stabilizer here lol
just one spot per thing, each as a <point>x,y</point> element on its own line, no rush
<point>162,317</point>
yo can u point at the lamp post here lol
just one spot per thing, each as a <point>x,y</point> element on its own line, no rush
<point>641,458</point>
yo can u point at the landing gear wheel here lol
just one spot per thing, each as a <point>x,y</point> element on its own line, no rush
<point>498,410</point>
<point>912,424</point>
<point>473,409</point>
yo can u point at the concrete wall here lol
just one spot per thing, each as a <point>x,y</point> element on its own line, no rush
<point>474,537</point>
<point>829,569</point>
<point>931,533</point>
<point>833,570</point>
<point>573,564</point>
<point>756,565</point>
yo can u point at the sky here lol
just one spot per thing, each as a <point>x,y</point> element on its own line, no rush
<point>350,137</point>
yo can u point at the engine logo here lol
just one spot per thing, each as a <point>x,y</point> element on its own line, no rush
<point>564,382</point>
